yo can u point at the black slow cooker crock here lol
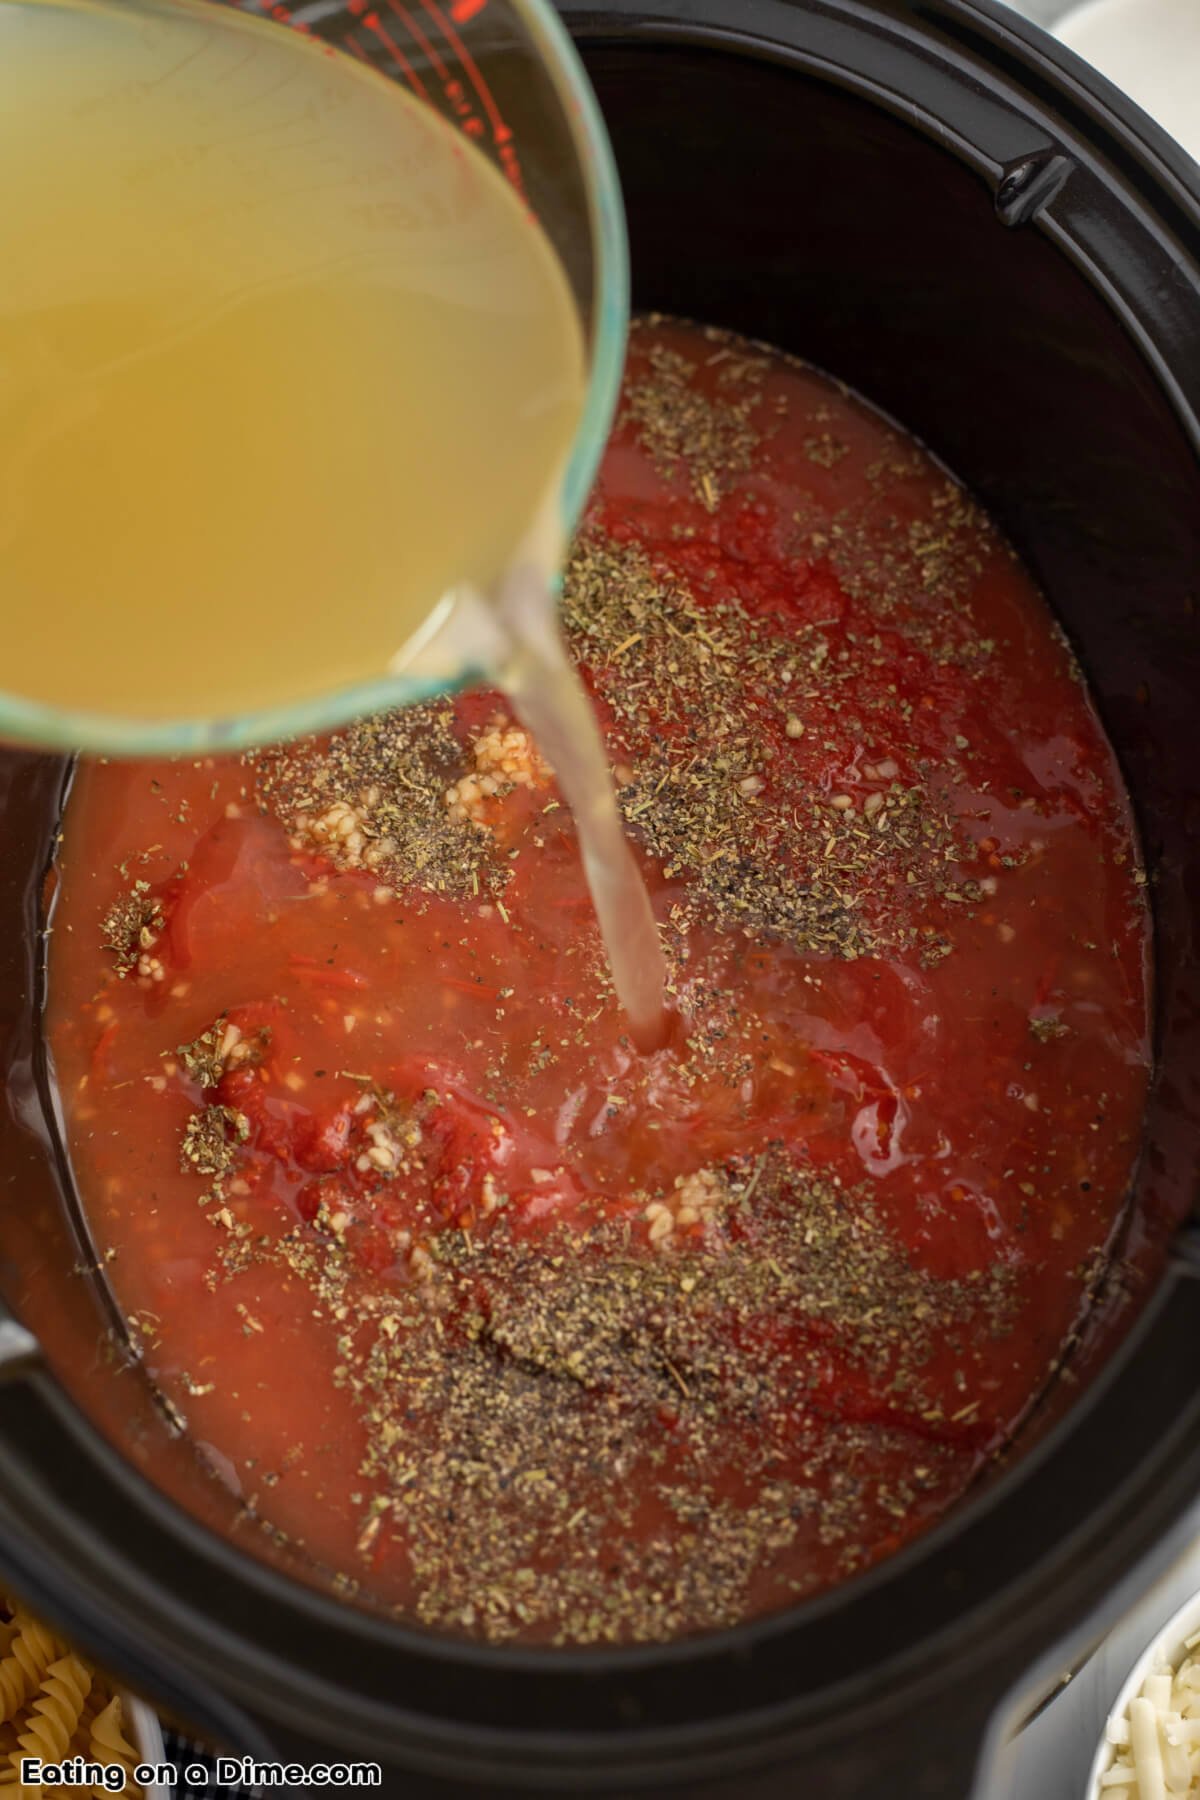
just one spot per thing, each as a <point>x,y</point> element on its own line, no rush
<point>939,205</point>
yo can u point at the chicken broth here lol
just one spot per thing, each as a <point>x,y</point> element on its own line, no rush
<point>283,361</point>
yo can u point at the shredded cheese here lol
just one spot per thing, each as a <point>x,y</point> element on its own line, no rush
<point>1156,1744</point>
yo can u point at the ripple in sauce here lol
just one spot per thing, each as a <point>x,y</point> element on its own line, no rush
<point>508,1327</point>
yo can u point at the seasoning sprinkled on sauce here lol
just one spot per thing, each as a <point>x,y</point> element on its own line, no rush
<point>505,1325</point>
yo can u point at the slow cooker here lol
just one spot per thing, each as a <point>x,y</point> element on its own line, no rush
<point>938,205</point>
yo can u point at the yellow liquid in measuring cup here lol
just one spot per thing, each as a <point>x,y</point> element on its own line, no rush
<point>282,360</point>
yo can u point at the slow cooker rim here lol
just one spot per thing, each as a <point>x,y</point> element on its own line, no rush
<point>1106,116</point>
<point>614,21</point>
<point>992,24</point>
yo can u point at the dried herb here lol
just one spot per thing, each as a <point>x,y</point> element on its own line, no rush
<point>211,1139</point>
<point>533,1402</point>
<point>375,797</point>
<point>218,1048</point>
<point>694,719</point>
<point>131,927</point>
<point>203,1058</point>
<point>708,437</point>
<point>1046,1030</point>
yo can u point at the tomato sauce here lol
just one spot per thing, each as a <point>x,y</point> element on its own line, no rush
<point>507,1326</point>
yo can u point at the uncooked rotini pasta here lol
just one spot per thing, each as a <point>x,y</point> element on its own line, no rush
<point>109,1743</point>
<point>8,1743</point>
<point>53,1705</point>
<point>13,1687</point>
<point>31,1650</point>
<point>96,1698</point>
<point>53,1713</point>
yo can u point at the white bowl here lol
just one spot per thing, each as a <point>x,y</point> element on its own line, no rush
<point>1171,1644</point>
<point>146,1733</point>
<point>1151,49</point>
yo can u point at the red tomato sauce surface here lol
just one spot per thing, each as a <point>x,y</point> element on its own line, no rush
<point>516,1330</point>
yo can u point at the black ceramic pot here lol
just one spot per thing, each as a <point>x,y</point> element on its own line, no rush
<point>935,203</point>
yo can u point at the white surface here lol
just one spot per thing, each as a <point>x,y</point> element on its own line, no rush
<point>1151,49</point>
<point>1045,12</point>
<point>147,1736</point>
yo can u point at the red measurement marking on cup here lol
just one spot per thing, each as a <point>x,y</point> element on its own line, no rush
<point>501,133</point>
<point>412,26</point>
<point>463,108</point>
<point>374,23</point>
<point>461,11</point>
<point>455,93</point>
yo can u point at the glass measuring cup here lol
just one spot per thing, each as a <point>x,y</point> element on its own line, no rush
<point>503,73</point>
